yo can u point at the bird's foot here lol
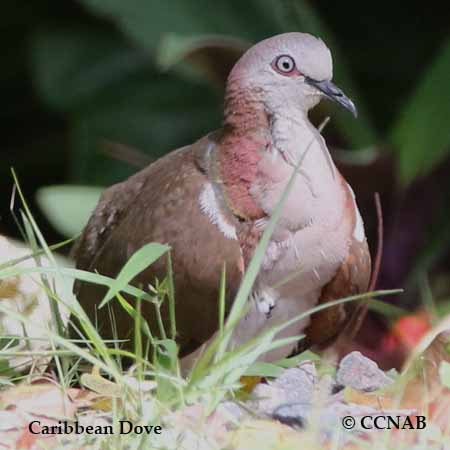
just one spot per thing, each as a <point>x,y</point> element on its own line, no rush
<point>265,301</point>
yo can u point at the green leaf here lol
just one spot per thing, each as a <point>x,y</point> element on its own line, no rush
<point>138,262</point>
<point>72,66</point>
<point>145,21</point>
<point>421,136</point>
<point>68,207</point>
<point>294,361</point>
<point>150,112</point>
<point>212,56</point>
<point>82,275</point>
<point>444,373</point>
<point>264,369</point>
<point>166,362</point>
<point>167,353</point>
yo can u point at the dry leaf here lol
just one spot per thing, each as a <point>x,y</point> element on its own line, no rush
<point>248,383</point>
<point>22,404</point>
<point>95,382</point>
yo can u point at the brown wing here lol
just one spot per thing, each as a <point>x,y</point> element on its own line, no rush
<point>352,278</point>
<point>111,208</point>
<point>161,204</point>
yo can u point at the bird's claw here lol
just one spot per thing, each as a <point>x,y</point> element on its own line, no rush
<point>265,302</point>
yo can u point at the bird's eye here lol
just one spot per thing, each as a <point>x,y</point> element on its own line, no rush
<point>285,64</point>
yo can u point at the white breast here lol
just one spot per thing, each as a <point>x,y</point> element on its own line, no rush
<point>312,236</point>
<point>311,232</point>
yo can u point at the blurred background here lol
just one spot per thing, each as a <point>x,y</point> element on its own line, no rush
<point>93,90</point>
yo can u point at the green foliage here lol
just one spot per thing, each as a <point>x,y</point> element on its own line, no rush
<point>68,207</point>
<point>134,18</point>
<point>208,56</point>
<point>88,63</point>
<point>113,91</point>
<point>421,137</point>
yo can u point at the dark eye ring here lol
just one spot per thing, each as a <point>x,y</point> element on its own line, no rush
<point>285,64</point>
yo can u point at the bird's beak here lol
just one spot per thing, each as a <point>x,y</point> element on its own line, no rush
<point>331,91</point>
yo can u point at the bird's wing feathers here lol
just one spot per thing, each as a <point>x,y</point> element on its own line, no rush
<point>109,212</point>
<point>161,204</point>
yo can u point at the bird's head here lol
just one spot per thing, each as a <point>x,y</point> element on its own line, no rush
<point>291,71</point>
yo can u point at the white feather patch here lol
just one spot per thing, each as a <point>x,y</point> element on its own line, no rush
<point>358,232</point>
<point>209,206</point>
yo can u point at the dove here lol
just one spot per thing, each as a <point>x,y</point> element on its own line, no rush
<point>212,200</point>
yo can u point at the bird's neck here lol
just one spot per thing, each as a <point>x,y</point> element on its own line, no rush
<point>259,149</point>
<point>292,133</point>
<point>244,108</point>
<point>245,138</point>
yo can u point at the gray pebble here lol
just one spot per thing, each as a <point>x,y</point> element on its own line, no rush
<point>361,373</point>
<point>295,385</point>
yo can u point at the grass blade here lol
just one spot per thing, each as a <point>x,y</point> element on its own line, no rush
<point>138,262</point>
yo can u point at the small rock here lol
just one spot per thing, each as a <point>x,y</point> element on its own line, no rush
<point>295,385</point>
<point>232,410</point>
<point>361,373</point>
<point>268,398</point>
<point>298,382</point>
